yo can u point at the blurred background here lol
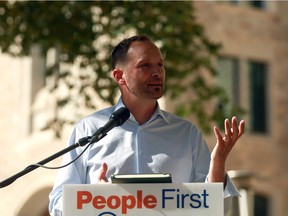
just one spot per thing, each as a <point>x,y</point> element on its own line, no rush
<point>223,58</point>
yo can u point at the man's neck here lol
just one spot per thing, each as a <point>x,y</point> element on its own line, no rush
<point>141,109</point>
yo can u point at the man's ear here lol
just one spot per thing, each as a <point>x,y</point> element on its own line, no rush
<point>118,76</point>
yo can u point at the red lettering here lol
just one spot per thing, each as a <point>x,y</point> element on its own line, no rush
<point>99,202</point>
<point>83,197</point>
<point>117,202</point>
<point>150,201</point>
<point>114,201</point>
<point>128,202</point>
<point>139,199</point>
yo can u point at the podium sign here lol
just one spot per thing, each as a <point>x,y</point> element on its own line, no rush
<point>199,199</point>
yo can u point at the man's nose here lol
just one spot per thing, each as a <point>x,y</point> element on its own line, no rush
<point>157,71</point>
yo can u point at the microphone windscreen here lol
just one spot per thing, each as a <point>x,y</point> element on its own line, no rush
<point>120,116</point>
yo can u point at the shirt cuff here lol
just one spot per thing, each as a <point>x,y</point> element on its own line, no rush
<point>230,189</point>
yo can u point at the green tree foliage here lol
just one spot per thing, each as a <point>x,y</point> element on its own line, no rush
<point>87,31</point>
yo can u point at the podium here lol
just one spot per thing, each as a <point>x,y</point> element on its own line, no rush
<point>200,199</point>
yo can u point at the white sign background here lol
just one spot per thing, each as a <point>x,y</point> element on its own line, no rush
<point>177,199</point>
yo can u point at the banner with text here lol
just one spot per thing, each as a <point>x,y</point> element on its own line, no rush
<point>199,199</point>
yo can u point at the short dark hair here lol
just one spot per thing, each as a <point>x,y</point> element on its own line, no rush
<point>120,51</point>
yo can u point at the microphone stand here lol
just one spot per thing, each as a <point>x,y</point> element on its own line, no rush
<point>81,142</point>
<point>117,118</point>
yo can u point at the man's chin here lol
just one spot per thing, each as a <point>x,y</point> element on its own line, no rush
<point>158,95</point>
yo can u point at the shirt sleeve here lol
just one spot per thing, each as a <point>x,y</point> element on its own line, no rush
<point>200,157</point>
<point>230,191</point>
<point>74,173</point>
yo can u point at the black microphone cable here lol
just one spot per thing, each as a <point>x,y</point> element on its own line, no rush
<point>117,118</point>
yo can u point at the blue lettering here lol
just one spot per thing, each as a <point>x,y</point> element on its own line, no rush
<point>195,199</point>
<point>173,197</point>
<point>107,213</point>
<point>164,197</point>
<point>183,199</point>
<point>204,200</point>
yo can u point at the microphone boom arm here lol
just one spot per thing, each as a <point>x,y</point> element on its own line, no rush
<point>117,118</point>
<point>10,180</point>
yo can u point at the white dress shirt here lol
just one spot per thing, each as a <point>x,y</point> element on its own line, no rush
<point>164,144</point>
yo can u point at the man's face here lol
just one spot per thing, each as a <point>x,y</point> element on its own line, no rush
<point>143,71</point>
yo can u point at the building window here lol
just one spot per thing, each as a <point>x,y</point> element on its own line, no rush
<point>249,203</point>
<point>258,76</point>
<point>257,4</point>
<point>228,78</point>
<point>253,3</point>
<point>261,205</point>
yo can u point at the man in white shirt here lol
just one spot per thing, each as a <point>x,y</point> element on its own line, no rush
<point>151,140</point>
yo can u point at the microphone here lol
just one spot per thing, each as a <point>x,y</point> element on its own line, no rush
<point>117,118</point>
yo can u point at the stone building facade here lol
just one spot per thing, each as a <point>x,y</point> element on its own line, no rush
<point>254,39</point>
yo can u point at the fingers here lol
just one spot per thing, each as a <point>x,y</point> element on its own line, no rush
<point>217,133</point>
<point>238,130</point>
<point>102,177</point>
<point>241,128</point>
<point>227,128</point>
<point>226,142</point>
<point>235,129</point>
<point>234,132</point>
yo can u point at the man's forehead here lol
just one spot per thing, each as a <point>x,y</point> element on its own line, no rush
<point>141,44</point>
<point>143,48</point>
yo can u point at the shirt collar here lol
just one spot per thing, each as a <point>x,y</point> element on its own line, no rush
<point>161,113</point>
<point>158,112</point>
